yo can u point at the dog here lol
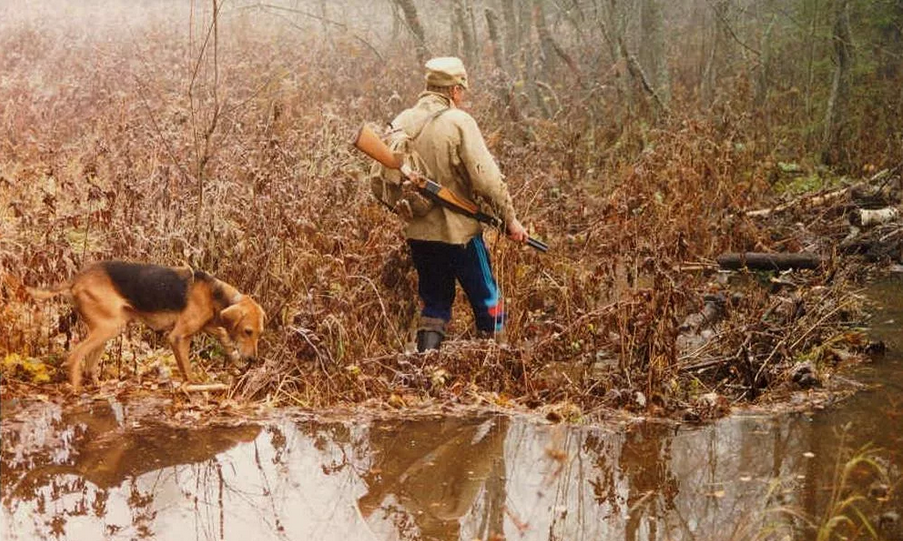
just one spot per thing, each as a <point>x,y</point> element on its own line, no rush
<point>110,294</point>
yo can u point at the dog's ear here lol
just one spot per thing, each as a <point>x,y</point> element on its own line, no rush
<point>232,316</point>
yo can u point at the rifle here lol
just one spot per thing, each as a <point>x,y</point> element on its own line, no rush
<point>368,142</point>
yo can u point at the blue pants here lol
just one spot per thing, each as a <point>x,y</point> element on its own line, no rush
<point>439,264</point>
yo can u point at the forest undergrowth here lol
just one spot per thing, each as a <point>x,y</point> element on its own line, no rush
<point>241,166</point>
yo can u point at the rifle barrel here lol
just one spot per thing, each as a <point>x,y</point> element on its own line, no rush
<point>537,244</point>
<point>439,194</point>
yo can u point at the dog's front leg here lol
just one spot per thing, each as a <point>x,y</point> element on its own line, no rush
<point>221,334</point>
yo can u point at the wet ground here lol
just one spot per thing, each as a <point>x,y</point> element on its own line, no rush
<point>108,470</point>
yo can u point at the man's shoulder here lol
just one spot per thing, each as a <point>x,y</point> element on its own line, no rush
<point>459,118</point>
<point>449,116</point>
<point>404,117</point>
<point>453,113</point>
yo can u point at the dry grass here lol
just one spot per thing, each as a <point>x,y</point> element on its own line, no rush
<point>158,150</point>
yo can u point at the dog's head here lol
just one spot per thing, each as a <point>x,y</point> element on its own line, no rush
<point>244,324</point>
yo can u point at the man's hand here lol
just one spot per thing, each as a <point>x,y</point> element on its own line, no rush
<point>516,231</point>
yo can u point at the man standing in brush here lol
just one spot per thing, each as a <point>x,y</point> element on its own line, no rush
<point>445,245</point>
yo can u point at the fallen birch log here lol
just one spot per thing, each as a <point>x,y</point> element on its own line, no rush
<point>767,261</point>
<point>867,217</point>
<point>817,200</point>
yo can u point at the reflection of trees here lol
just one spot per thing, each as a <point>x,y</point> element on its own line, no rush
<point>428,474</point>
<point>414,479</point>
<point>635,479</point>
<point>645,463</point>
<point>603,483</point>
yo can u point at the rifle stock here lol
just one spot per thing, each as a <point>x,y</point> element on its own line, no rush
<point>368,142</point>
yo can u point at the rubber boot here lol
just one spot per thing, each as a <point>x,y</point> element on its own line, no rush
<point>428,339</point>
<point>498,336</point>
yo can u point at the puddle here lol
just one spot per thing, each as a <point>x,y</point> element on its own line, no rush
<point>105,472</point>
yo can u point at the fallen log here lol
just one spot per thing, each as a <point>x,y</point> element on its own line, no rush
<point>768,261</point>
<point>868,217</point>
<point>810,200</point>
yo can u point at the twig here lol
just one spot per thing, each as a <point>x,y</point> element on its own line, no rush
<point>382,306</point>
<point>190,388</point>
<point>798,340</point>
<point>577,322</point>
<point>325,20</point>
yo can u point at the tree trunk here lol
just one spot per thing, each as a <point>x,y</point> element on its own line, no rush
<point>524,25</point>
<point>474,35</point>
<point>546,47</point>
<point>764,67</point>
<point>465,30</point>
<point>652,48</point>
<point>454,36</point>
<point>512,39</point>
<point>710,74</point>
<point>612,22</point>
<point>505,88</point>
<point>810,63</point>
<point>413,22</point>
<point>498,51</point>
<point>835,114</point>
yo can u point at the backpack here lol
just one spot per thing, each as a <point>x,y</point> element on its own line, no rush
<point>387,185</point>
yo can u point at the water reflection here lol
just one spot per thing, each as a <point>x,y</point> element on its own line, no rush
<point>476,478</point>
<point>427,475</point>
<point>102,472</point>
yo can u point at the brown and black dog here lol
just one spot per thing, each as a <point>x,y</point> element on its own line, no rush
<point>110,294</point>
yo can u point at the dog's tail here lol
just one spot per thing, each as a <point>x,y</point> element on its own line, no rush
<point>44,294</point>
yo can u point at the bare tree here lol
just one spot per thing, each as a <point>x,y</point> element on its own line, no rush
<point>813,7</point>
<point>652,55</point>
<point>764,71</point>
<point>639,76</point>
<point>512,38</point>
<point>550,48</point>
<point>546,43</point>
<point>498,50</point>
<point>611,18</point>
<point>412,19</point>
<point>835,114</point>
<point>463,27</point>
<point>504,86</point>
<point>715,43</point>
<point>204,125</point>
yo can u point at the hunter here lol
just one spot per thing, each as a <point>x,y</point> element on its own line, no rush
<point>446,245</point>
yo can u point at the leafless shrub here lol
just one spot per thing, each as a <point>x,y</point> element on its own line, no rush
<point>101,161</point>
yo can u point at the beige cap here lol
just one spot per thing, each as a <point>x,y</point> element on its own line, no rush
<point>446,71</point>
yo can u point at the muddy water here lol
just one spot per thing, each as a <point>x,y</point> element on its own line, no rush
<point>108,470</point>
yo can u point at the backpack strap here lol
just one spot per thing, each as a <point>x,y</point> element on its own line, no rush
<point>424,123</point>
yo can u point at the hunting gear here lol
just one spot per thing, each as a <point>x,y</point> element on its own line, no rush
<point>437,148</point>
<point>396,170</point>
